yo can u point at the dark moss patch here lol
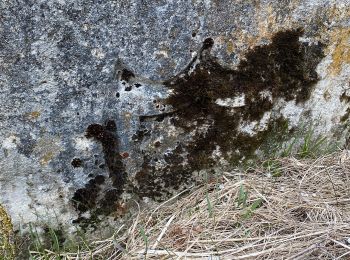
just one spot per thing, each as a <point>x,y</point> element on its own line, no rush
<point>346,116</point>
<point>76,162</point>
<point>109,202</point>
<point>146,178</point>
<point>345,98</point>
<point>140,134</point>
<point>285,68</point>
<point>128,88</point>
<point>100,179</point>
<point>87,198</point>
<point>106,135</point>
<point>208,43</point>
<point>87,223</point>
<point>127,75</point>
<point>157,184</point>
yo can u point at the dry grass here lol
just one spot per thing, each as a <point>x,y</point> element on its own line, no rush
<point>304,213</point>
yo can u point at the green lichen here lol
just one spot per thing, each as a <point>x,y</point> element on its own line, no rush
<point>7,245</point>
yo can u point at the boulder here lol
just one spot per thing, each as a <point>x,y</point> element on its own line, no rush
<point>104,103</point>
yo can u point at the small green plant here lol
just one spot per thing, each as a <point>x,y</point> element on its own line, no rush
<point>145,239</point>
<point>242,201</point>
<point>242,196</point>
<point>302,142</point>
<point>273,167</point>
<point>52,244</point>
<point>210,207</point>
<point>250,210</point>
<point>287,148</point>
<point>37,245</point>
<point>55,242</point>
<point>311,145</point>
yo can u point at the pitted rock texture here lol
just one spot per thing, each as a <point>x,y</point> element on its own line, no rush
<point>107,102</point>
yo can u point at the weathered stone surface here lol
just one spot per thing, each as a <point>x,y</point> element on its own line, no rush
<point>103,102</point>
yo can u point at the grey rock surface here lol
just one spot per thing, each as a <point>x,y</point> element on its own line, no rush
<point>89,89</point>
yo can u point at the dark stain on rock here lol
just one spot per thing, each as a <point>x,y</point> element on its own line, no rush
<point>128,88</point>
<point>140,134</point>
<point>156,117</point>
<point>158,184</point>
<point>346,116</point>
<point>76,162</point>
<point>146,178</point>
<point>285,68</point>
<point>84,199</point>
<point>107,136</point>
<point>100,179</point>
<point>127,75</point>
<point>87,198</point>
<point>346,99</point>
<point>207,43</point>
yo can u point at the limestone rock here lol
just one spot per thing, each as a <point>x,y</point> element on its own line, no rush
<point>103,102</point>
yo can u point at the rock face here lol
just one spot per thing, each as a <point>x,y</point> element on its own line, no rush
<point>105,102</point>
